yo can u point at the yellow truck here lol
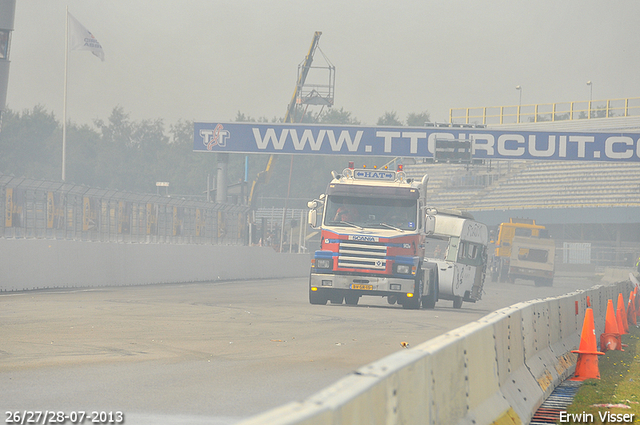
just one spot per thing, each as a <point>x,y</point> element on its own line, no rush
<point>532,259</point>
<point>523,250</point>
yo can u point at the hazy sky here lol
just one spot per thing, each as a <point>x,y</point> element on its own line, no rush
<point>207,60</point>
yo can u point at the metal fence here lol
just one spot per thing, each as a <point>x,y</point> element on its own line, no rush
<point>286,230</point>
<point>543,112</point>
<point>56,210</point>
<point>597,255</point>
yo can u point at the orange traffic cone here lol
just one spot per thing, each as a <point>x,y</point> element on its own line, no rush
<point>631,311</point>
<point>625,317</point>
<point>621,316</point>
<point>587,364</point>
<point>610,339</point>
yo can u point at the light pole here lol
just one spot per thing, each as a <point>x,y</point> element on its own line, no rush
<point>590,84</point>
<point>519,88</point>
<point>7,15</point>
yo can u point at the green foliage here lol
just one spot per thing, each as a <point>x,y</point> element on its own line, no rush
<point>31,144</point>
<point>120,153</point>
<point>540,118</point>
<point>241,117</point>
<point>418,119</point>
<point>389,118</point>
<point>117,153</point>
<point>334,116</point>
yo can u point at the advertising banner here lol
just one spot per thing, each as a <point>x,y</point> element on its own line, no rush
<point>178,213</point>
<point>89,213</point>
<point>8,208</point>
<point>55,210</point>
<point>200,222</point>
<point>413,141</point>
<point>124,217</point>
<point>14,203</point>
<point>151,219</point>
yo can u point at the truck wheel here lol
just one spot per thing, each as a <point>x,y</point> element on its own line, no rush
<point>457,302</point>
<point>429,301</point>
<point>317,298</point>
<point>392,299</point>
<point>414,302</point>
<point>543,282</point>
<point>336,298</point>
<point>351,299</point>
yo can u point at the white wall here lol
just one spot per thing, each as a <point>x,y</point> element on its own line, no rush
<point>37,263</point>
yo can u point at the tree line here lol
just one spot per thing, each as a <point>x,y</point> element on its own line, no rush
<point>124,154</point>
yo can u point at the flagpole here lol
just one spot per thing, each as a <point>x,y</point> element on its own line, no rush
<point>64,109</point>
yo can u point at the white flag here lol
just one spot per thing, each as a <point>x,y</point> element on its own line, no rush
<point>82,39</point>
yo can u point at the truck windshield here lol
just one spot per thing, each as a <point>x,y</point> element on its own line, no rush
<point>436,248</point>
<point>353,211</point>
<point>535,255</point>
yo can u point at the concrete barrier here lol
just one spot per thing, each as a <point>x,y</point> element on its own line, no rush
<point>497,370</point>
<point>38,263</point>
<point>616,274</point>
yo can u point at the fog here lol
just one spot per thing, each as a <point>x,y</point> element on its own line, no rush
<point>205,61</point>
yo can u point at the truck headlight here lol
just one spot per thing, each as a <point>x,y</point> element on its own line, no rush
<point>323,263</point>
<point>403,269</point>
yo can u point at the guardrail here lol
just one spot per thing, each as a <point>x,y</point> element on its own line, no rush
<point>561,111</point>
<point>498,369</point>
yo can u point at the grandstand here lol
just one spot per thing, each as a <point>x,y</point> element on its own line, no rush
<point>580,202</point>
<point>501,185</point>
<point>597,203</point>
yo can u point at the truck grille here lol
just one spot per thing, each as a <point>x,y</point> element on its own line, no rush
<point>362,255</point>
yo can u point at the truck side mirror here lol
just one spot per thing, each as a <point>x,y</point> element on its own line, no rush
<point>313,218</point>
<point>430,225</point>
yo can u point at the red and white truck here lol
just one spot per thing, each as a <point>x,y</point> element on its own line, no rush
<point>375,226</point>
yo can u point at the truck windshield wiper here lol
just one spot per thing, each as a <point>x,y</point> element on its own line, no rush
<point>350,224</point>
<point>388,226</point>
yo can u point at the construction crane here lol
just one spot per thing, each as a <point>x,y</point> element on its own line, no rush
<point>302,77</point>
<point>296,99</point>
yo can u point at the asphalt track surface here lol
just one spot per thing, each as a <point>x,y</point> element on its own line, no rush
<point>210,353</point>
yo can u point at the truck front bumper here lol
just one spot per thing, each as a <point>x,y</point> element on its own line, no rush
<point>524,273</point>
<point>363,285</point>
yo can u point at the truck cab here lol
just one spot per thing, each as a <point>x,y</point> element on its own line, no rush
<point>372,239</point>
<point>456,255</point>
<point>532,259</point>
<point>511,259</point>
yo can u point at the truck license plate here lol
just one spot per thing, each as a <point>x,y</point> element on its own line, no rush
<point>359,286</point>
